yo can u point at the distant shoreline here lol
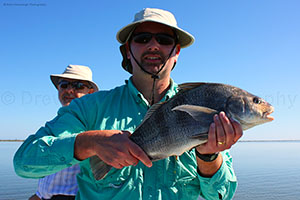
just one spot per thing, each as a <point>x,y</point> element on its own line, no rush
<point>269,141</point>
<point>15,140</point>
<point>296,140</point>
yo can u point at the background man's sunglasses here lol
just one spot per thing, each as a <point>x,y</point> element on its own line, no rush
<point>76,85</point>
<point>161,38</point>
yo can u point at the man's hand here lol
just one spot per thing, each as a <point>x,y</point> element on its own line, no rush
<point>112,146</point>
<point>223,133</point>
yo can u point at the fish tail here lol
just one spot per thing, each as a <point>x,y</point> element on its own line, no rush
<point>99,168</point>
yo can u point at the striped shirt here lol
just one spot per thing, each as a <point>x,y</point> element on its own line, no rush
<point>63,182</point>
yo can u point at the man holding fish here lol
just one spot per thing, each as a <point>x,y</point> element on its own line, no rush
<point>95,130</point>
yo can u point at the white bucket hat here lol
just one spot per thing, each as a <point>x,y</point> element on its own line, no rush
<point>77,72</point>
<point>185,39</point>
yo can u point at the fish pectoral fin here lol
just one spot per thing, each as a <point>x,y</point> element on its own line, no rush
<point>200,136</point>
<point>197,112</point>
<point>99,168</point>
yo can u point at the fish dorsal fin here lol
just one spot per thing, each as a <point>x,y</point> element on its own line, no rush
<point>188,86</point>
<point>197,112</point>
<point>151,110</point>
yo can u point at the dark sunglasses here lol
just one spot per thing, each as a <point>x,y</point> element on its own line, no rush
<point>161,38</point>
<point>76,85</point>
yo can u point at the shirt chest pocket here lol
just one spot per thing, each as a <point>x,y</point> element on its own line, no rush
<point>186,178</point>
<point>115,178</point>
<point>182,170</point>
<point>123,181</point>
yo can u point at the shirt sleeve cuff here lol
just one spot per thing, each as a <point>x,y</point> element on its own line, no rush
<point>63,144</point>
<point>223,183</point>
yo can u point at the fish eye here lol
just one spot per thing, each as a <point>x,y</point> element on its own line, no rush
<point>256,100</point>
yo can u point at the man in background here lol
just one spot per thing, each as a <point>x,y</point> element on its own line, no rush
<point>75,82</point>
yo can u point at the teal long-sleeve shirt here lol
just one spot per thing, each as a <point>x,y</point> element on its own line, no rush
<point>51,149</point>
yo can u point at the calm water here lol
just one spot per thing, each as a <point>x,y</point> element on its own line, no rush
<point>265,171</point>
<point>13,187</point>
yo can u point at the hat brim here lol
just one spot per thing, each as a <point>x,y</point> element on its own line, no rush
<point>185,39</point>
<point>55,78</point>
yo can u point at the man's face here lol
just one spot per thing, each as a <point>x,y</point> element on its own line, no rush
<point>152,50</point>
<point>69,89</point>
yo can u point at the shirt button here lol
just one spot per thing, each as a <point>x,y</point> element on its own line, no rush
<point>62,159</point>
<point>149,189</point>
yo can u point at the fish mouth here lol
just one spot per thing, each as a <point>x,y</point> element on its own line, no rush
<point>266,115</point>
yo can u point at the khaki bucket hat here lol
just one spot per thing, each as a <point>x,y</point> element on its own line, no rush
<point>185,39</point>
<point>76,72</point>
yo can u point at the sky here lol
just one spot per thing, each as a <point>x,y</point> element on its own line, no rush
<point>251,44</point>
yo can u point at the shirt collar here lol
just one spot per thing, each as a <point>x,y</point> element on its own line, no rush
<point>139,98</point>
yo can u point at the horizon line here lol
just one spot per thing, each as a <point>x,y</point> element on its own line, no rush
<point>254,140</point>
